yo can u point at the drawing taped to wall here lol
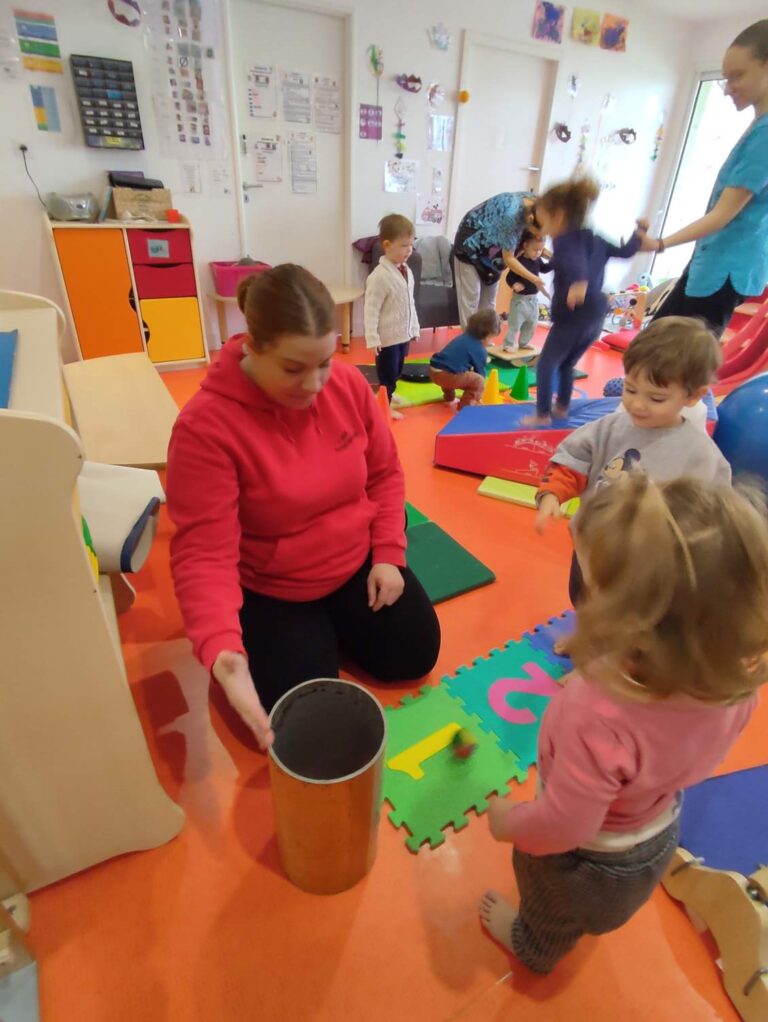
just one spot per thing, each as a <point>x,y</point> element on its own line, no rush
<point>613,33</point>
<point>548,21</point>
<point>585,27</point>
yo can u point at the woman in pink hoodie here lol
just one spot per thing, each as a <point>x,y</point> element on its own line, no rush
<point>288,498</point>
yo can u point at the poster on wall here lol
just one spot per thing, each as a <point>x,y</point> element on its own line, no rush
<point>548,21</point>
<point>430,210</point>
<point>268,152</point>
<point>585,27</point>
<point>370,122</point>
<point>262,91</point>
<point>302,151</point>
<point>38,41</point>
<point>440,133</point>
<point>183,38</point>
<point>613,33</point>
<point>46,108</point>
<point>327,103</point>
<point>297,106</point>
<point>400,175</point>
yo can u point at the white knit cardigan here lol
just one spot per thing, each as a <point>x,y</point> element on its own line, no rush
<point>390,309</point>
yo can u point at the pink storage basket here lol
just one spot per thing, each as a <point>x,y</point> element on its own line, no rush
<point>227,275</point>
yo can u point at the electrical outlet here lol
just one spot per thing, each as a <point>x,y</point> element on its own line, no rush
<point>22,147</point>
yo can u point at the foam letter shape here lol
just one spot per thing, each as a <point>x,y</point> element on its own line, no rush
<point>409,760</point>
<point>539,684</point>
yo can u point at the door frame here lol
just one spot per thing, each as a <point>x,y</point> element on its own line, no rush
<point>349,27</point>
<point>528,49</point>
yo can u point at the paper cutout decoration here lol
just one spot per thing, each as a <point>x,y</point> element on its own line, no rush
<point>585,27</point>
<point>435,94</point>
<point>439,37</point>
<point>399,133</point>
<point>548,21</point>
<point>400,175</point>
<point>613,33</point>
<point>410,83</point>
<point>129,20</point>
<point>430,211</point>
<point>375,61</point>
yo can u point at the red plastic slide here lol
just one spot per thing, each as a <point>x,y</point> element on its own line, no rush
<point>746,354</point>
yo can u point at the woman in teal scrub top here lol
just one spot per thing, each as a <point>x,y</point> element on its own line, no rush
<point>730,260</point>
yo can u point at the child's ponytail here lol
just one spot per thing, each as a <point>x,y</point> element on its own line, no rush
<point>573,198</point>
<point>677,586</point>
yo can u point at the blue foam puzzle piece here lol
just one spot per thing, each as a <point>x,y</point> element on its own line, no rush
<point>8,342</point>
<point>544,637</point>
<point>724,821</point>
<point>477,419</point>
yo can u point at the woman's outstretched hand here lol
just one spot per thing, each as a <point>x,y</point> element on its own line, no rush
<point>649,244</point>
<point>385,586</point>
<point>231,671</point>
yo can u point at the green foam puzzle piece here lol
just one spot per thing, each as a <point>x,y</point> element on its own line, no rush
<point>508,691</point>
<point>415,517</point>
<point>442,565</point>
<point>520,493</point>
<point>449,786</point>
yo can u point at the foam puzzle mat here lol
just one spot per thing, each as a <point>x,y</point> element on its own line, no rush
<point>500,699</point>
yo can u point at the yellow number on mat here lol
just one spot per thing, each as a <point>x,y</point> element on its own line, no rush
<point>409,760</point>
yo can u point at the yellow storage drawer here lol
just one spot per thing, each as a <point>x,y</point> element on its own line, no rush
<point>173,327</point>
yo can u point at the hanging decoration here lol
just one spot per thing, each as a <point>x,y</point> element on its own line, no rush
<point>399,135</point>
<point>657,141</point>
<point>131,21</point>
<point>560,129</point>
<point>376,66</point>
<point>626,135</point>
<point>464,96</point>
<point>439,37</point>
<point>435,94</point>
<point>581,152</point>
<point>410,83</point>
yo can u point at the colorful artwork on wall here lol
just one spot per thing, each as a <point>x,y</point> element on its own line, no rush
<point>585,27</point>
<point>613,33</point>
<point>548,20</point>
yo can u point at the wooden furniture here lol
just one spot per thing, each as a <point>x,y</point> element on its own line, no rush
<point>22,300</point>
<point>344,295</point>
<point>735,910</point>
<point>122,410</point>
<point>131,288</point>
<point>77,784</point>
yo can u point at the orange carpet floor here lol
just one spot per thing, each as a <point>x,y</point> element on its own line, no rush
<point>207,929</point>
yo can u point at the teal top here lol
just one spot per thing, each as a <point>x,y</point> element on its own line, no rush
<point>740,249</point>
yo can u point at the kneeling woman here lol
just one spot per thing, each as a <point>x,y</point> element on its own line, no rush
<point>288,499</point>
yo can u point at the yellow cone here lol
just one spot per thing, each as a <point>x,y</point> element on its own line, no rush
<point>491,394</point>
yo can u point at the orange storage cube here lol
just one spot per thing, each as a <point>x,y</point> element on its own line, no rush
<point>174,329</point>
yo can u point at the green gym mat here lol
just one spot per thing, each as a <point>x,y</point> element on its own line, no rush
<point>414,516</point>
<point>508,373</point>
<point>429,393</point>
<point>442,565</point>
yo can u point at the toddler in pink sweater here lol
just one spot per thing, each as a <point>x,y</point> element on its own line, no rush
<point>670,650</point>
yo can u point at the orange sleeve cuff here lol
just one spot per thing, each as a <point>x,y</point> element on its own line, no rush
<point>563,482</point>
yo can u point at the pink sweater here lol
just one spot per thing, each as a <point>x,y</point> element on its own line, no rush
<point>610,766</point>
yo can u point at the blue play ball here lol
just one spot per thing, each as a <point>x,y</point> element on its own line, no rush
<point>614,387</point>
<point>742,427</point>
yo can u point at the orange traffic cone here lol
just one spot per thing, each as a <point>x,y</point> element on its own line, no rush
<point>382,400</point>
<point>491,394</point>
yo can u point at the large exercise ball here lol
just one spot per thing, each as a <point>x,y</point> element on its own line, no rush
<point>742,427</point>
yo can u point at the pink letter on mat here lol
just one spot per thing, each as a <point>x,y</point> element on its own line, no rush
<point>539,684</point>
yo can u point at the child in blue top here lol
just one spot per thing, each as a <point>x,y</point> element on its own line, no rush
<point>461,365</point>
<point>524,304</point>
<point>578,303</point>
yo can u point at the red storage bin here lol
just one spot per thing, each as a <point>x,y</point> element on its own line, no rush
<point>159,248</point>
<point>165,281</point>
<point>227,275</point>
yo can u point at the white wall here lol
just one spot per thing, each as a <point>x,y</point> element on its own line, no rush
<point>710,40</point>
<point>61,162</point>
<point>654,75</point>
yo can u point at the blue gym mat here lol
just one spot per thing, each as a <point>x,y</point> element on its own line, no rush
<point>724,820</point>
<point>7,354</point>
<point>507,418</point>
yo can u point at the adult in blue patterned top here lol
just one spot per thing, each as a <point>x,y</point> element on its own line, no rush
<point>485,243</point>
<point>730,260</point>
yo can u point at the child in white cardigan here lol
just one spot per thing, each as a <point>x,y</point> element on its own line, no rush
<point>391,322</point>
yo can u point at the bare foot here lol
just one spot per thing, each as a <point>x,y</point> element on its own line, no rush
<point>394,414</point>
<point>537,420</point>
<point>497,915</point>
<point>560,412</point>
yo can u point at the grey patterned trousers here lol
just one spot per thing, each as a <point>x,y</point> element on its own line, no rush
<point>563,897</point>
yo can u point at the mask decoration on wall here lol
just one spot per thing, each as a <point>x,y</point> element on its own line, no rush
<point>411,83</point>
<point>626,135</point>
<point>399,135</point>
<point>130,20</point>
<point>435,94</point>
<point>562,132</point>
<point>439,37</point>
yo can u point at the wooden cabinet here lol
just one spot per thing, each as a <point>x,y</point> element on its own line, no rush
<point>132,288</point>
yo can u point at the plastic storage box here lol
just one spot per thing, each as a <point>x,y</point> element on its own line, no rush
<point>227,275</point>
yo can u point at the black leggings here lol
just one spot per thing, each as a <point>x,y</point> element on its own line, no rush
<point>288,643</point>
<point>715,309</point>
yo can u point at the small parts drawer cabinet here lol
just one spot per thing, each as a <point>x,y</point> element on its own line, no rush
<point>131,288</point>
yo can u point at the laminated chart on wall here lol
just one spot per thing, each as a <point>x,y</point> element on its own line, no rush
<point>268,158</point>
<point>262,91</point>
<point>38,41</point>
<point>188,90</point>
<point>327,104</point>
<point>296,89</point>
<point>45,107</point>
<point>302,149</point>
